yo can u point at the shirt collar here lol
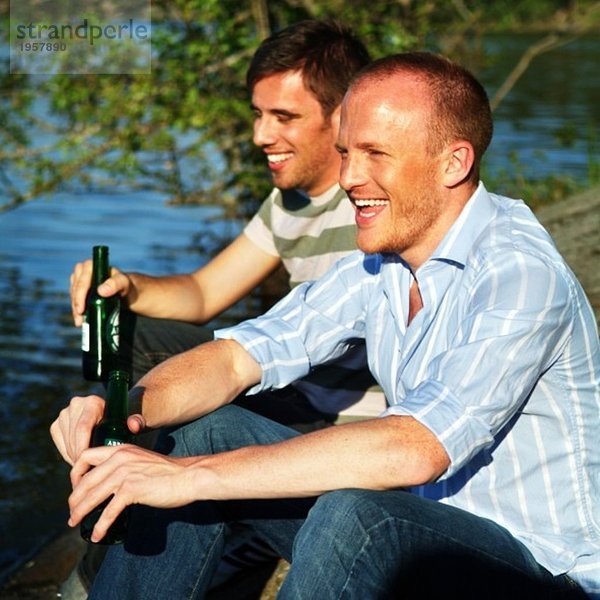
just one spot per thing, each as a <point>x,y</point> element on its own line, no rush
<point>458,241</point>
<point>324,198</point>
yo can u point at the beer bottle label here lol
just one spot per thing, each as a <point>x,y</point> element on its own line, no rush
<point>85,336</point>
<point>113,442</point>
<point>112,332</point>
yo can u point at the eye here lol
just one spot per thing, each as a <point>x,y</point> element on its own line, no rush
<point>287,117</point>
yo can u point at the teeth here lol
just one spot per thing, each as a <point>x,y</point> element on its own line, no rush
<point>277,158</point>
<point>363,202</point>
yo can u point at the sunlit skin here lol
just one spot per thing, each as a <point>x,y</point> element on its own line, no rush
<point>405,198</point>
<point>298,140</point>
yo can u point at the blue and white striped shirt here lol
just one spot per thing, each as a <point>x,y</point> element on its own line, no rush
<point>502,364</point>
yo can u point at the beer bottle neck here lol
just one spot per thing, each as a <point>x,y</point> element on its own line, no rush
<point>100,269</point>
<point>116,407</point>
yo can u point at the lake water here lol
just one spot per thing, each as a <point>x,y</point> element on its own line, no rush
<point>39,347</point>
<point>551,118</point>
<point>39,242</point>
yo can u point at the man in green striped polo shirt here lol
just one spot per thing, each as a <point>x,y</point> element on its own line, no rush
<point>297,79</point>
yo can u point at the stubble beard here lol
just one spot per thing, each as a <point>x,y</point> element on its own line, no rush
<point>410,227</point>
<point>310,170</point>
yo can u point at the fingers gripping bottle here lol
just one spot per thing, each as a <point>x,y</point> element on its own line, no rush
<point>111,431</point>
<point>100,328</point>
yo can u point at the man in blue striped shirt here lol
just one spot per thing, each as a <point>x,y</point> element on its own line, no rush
<point>481,478</point>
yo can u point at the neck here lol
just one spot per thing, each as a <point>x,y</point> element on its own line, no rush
<point>454,202</point>
<point>320,190</point>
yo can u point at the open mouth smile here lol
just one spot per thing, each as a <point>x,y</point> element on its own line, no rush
<point>367,208</point>
<point>276,159</point>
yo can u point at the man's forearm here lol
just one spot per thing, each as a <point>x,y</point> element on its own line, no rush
<point>387,453</point>
<point>167,297</point>
<point>194,383</point>
<point>199,296</point>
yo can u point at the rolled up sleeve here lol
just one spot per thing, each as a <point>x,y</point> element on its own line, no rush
<point>314,324</point>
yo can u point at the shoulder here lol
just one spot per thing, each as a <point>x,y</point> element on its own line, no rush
<point>515,259</point>
<point>514,235</point>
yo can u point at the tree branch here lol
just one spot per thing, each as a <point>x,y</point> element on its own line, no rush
<point>260,11</point>
<point>548,43</point>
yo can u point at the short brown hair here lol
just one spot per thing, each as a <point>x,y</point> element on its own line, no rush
<point>328,54</point>
<point>461,109</point>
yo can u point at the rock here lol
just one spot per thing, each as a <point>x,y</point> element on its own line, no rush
<point>574,223</point>
<point>40,578</point>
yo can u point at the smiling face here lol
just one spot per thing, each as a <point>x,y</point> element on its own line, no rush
<point>395,184</point>
<point>292,131</point>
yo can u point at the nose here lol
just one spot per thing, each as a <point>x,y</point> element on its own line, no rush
<point>352,174</point>
<point>263,131</point>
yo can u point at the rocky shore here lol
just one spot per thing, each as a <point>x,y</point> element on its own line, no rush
<point>575,225</point>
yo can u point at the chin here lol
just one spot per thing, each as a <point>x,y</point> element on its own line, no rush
<point>367,245</point>
<point>374,244</point>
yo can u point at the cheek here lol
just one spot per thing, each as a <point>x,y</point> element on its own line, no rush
<point>401,178</point>
<point>318,134</point>
<point>294,138</point>
<point>385,177</point>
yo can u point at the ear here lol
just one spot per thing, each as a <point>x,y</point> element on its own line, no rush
<point>460,157</point>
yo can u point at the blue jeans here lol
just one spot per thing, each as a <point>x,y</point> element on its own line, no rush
<point>358,544</point>
<point>146,342</point>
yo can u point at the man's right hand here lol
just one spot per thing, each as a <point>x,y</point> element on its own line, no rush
<point>72,430</point>
<point>81,280</point>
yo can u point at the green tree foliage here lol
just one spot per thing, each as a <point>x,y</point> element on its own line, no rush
<point>185,128</point>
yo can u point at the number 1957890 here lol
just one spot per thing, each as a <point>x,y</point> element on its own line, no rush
<point>43,46</point>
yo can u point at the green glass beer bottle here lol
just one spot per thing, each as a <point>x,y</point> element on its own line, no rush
<point>111,431</point>
<point>100,328</point>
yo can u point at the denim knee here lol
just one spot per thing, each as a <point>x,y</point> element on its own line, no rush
<point>346,548</point>
<point>227,428</point>
<point>207,435</point>
<point>345,506</point>
<point>344,518</point>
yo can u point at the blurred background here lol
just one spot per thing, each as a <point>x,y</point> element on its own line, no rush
<point>161,167</point>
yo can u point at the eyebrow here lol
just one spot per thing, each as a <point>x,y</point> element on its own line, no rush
<point>370,146</point>
<point>367,146</point>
